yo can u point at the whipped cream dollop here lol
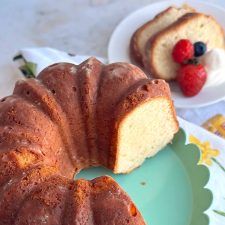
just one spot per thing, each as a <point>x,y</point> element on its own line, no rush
<point>214,63</point>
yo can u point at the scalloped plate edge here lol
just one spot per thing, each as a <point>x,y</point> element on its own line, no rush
<point>199,176</point>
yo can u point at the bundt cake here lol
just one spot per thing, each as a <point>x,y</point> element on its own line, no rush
<point>70,118</point>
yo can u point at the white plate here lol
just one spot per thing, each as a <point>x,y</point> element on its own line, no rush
<point>118,49</point>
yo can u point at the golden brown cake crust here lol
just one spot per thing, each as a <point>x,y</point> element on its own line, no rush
<point>88,77</point>
<point>117,203</point>
<point>54,126</point>
<point>116,79</point>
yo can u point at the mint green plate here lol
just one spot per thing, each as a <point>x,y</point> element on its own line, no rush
<point>168,189</point>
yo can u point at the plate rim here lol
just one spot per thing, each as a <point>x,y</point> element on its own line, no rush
<point>192,153</point>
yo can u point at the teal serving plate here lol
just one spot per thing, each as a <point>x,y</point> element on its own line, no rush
<point>168,189</point>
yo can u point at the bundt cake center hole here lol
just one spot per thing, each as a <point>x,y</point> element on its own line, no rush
<point>90,172</point>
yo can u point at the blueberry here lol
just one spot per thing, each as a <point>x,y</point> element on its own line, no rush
<point>200,48</point>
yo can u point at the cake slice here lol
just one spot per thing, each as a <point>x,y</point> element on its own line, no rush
<point>145,123</point>
<point>161,21</point>
<point>192,26</point>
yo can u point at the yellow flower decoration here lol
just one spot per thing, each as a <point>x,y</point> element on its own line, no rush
<point>207,153</point>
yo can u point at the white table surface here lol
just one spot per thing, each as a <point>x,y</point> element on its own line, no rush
<point>78,26</point>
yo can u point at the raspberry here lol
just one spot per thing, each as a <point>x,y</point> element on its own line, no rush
<point>191,78</point>
<point>183,51</point>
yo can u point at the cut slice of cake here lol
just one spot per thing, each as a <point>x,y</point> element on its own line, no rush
<point>192,26</point>
<point>146,122</point>
<point>145,32</point>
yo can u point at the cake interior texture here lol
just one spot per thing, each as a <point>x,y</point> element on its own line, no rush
<point>144,132</point>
